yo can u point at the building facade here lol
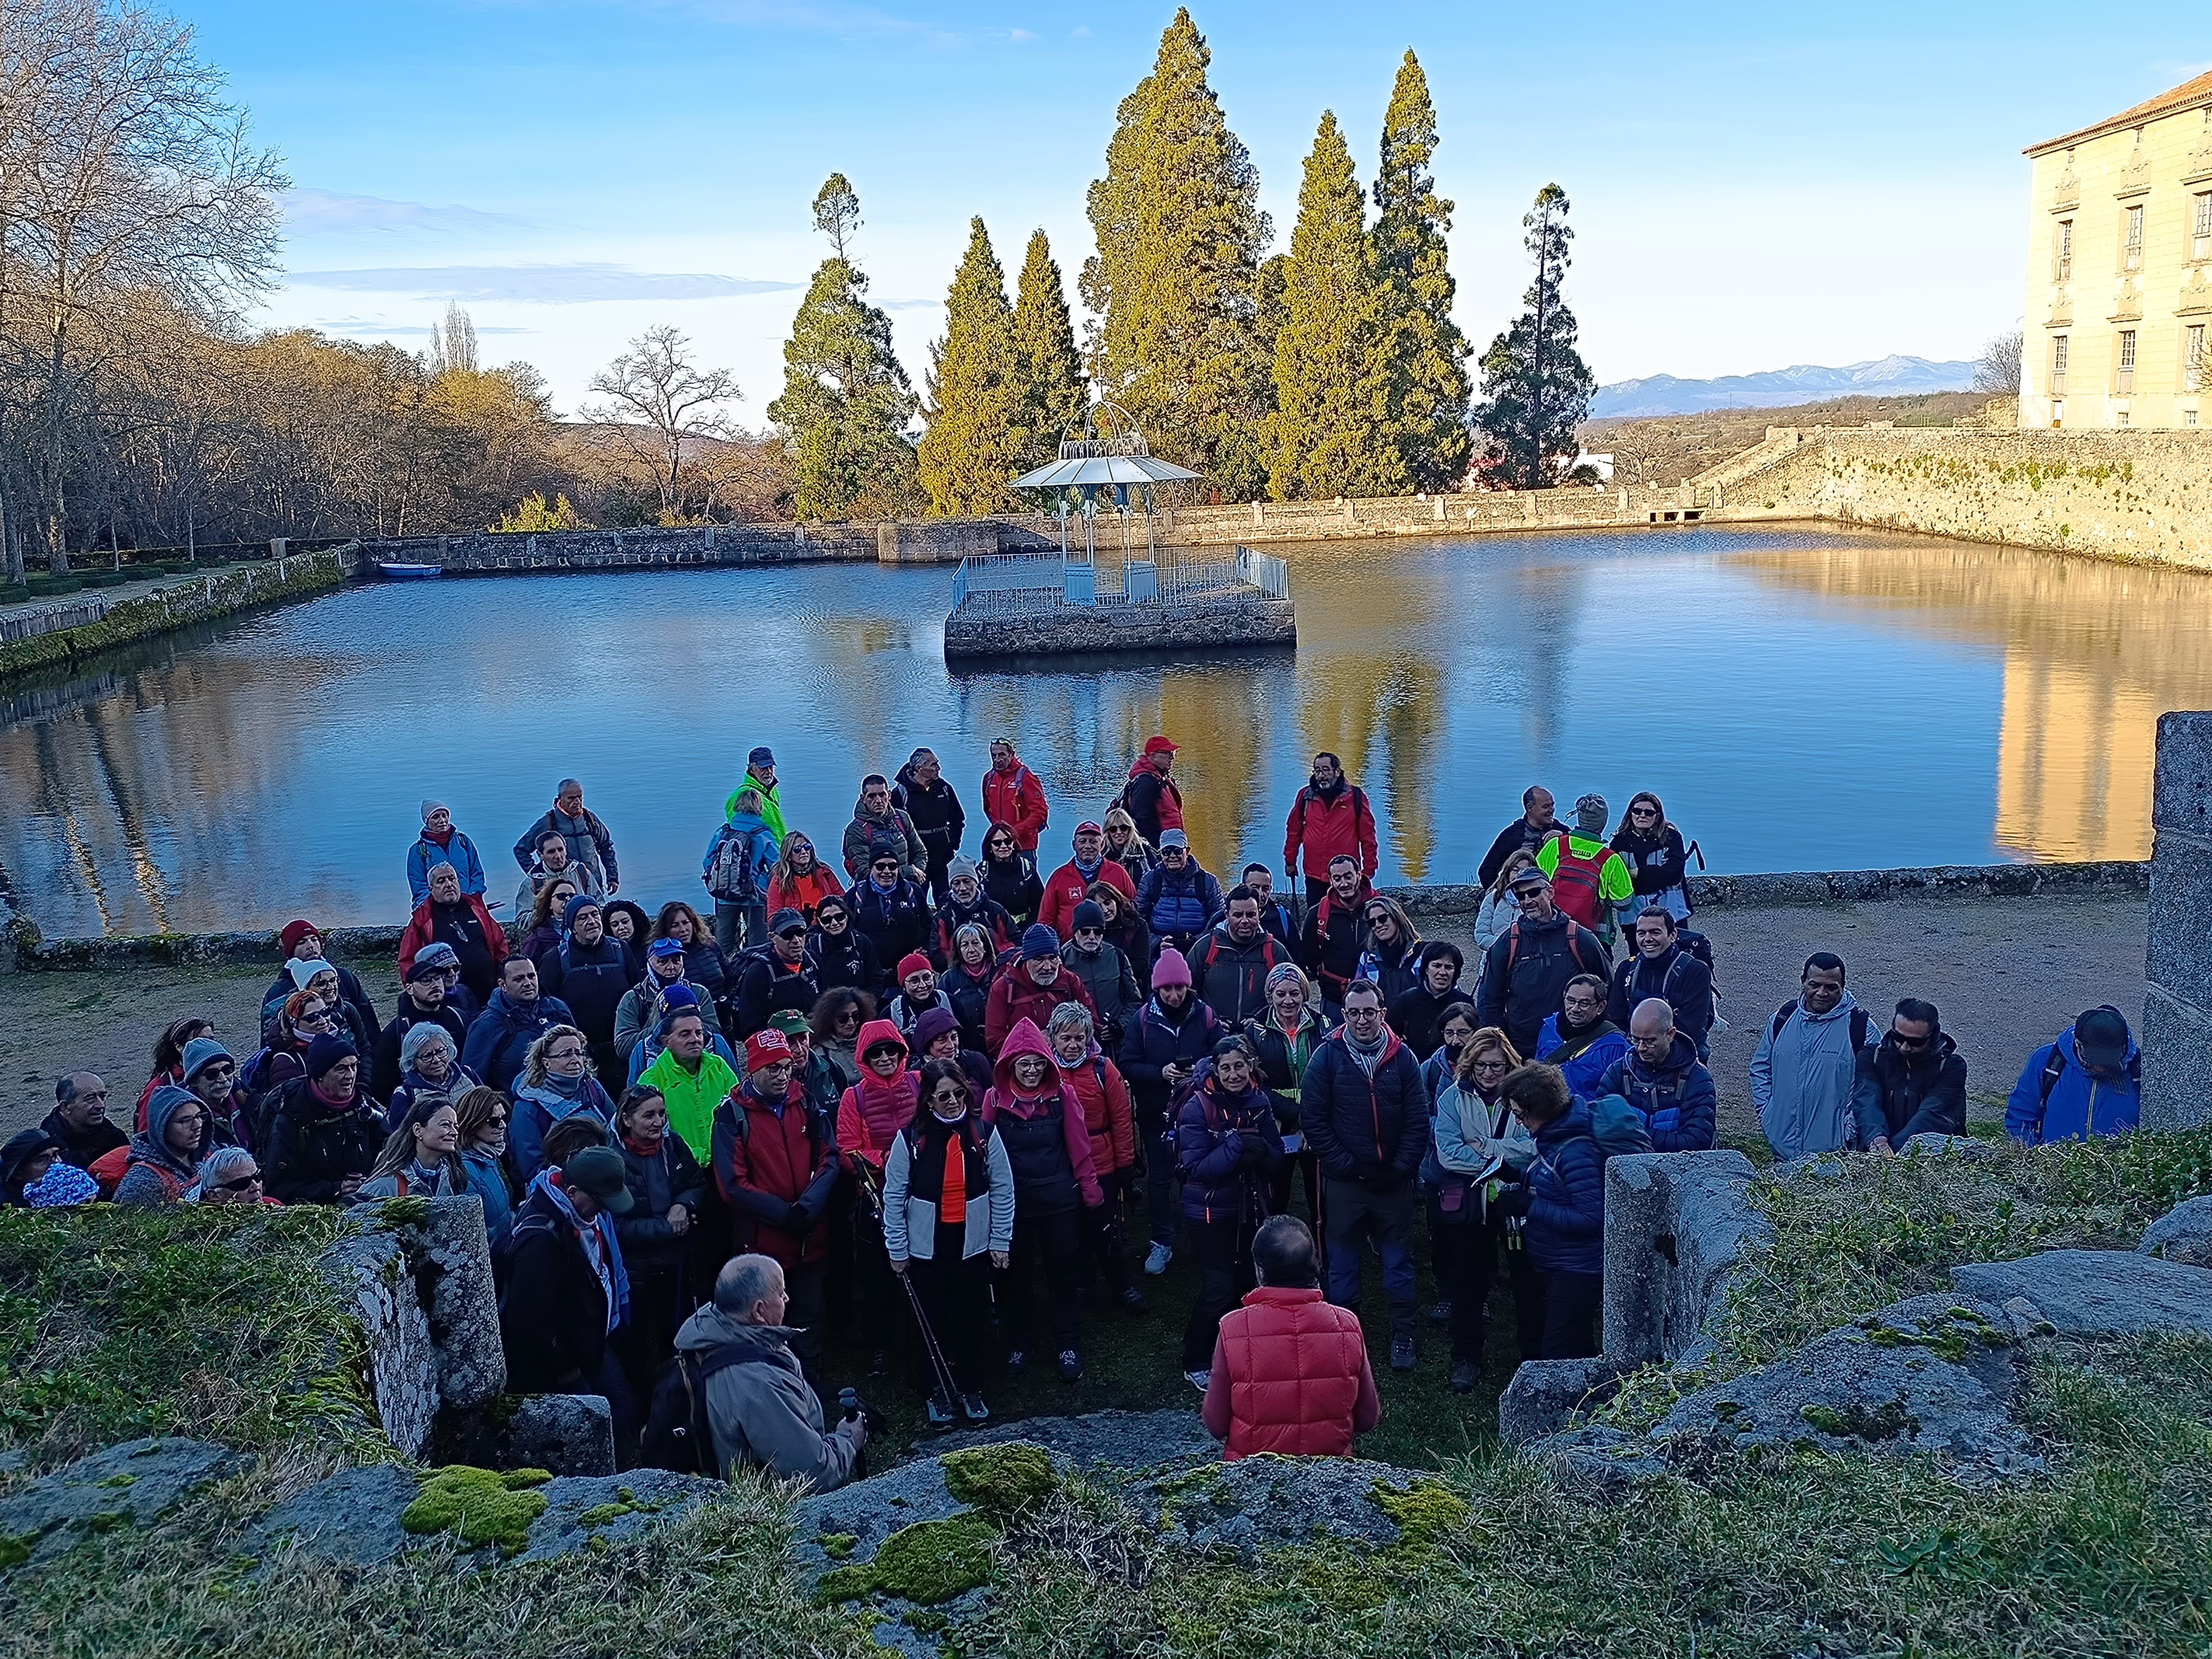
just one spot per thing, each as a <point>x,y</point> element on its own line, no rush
<point>2119,270</point>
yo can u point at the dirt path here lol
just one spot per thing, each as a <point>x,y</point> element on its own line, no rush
<point>2007,973</point>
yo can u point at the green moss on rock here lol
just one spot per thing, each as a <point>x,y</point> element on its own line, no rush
<point>482,1505</point>
<point>999,1481</point>
<point>929,1562</point>
<point>1424,1511</point>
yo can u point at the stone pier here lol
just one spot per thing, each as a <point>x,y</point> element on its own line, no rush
<point>2177,1026</point>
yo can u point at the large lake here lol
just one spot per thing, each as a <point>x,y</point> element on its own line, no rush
<point>1801,700</point>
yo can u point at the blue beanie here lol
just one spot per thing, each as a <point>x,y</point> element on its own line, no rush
<point>198,1052</point>
<point>325,1052</point>
<point>577,905</point>
<point>1039,942</point>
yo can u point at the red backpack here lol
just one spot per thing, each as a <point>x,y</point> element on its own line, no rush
<point>1577,884</point>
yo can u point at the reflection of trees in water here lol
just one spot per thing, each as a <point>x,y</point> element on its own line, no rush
<point>172,765</point>
<point>2093,653</point>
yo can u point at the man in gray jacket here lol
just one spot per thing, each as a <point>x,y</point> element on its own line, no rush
<point>1807,1061</point>
<point>763,1413</point>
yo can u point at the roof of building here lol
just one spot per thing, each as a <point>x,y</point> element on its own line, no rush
<point>2189,94</point>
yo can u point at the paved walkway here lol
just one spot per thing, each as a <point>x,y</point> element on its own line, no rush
<point>2007,973</point>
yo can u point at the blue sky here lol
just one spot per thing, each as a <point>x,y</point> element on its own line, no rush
<point>1752,185</point>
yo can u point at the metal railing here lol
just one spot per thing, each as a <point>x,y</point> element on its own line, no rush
<point>1265,572</point>
<point>1036,584</point>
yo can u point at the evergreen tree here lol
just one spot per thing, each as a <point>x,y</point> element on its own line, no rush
<point>1173,283</point>
<point>1327,391</point>
<point>1536,387</point>
<point>846,400</point>
<point>972,447</point>
<point>1425,438</point>
<point>1048,369</point>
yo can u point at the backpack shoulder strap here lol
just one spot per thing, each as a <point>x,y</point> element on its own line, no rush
<point>1859,1026</point>
<point>1512,946</point>
<point>721,1358</point>
<point>2053,1069</point>
<point>1781,1019</point>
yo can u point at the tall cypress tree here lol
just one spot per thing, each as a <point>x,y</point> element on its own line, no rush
<point>1048,369</point>
<point>1173,282</point>
<point>1424,355</point>
<point>1536,387</point>
<point>846,399</point>
<point>1328,391</point>
<point>972,447</point>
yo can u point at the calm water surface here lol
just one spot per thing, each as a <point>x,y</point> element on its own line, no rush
<point>1800,700</point>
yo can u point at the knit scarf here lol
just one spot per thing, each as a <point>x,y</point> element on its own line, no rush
<point>601,1248</point>
<point>1368,1055</point>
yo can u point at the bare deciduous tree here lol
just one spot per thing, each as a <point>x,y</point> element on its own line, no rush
<point>1997,373</point>
<point>655,395</point>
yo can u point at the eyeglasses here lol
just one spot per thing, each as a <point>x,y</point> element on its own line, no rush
<point>1642,812</point>
<point>218,1070</point>
<point>886,866</point>
<point>1904,1041</point>
<point>240,1184</point>
<point>566,1053</point>
<point>188,1117</point>
<point>951,1095</point>
<point>1377,918</point>
<point>325,1018</point>
<point>497,1122</point>
<point>1090,932</point>
<point>792,932</point>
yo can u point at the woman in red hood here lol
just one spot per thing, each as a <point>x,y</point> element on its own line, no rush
<point>870,1116</point>
<point>1054,1181</point>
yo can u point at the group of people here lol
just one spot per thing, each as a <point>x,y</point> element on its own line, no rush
<point>928,1099</point>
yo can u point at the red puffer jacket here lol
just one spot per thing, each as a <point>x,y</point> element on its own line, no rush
<point>1291,1376</point>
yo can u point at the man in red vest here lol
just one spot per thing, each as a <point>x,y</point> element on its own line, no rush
<point>1291,1373</point>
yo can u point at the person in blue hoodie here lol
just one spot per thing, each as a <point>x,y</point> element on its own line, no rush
<point>2089,1082</point>
<point>1561,1201</point>
<point>741,894</point>
<point>1579,1039</point>
<point>441,843</point>
<point>1665,1083</point>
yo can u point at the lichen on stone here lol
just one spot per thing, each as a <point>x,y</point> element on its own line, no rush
<point>1424,1511</point>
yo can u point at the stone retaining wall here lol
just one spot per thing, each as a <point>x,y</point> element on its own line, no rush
<point>488,553</point>
<point>2177,1033</point>
<point>2142,495</point>
<point>173,605</point>
<point>1134,627</point>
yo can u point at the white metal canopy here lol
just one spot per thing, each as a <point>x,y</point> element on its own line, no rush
<point>1070,471</point>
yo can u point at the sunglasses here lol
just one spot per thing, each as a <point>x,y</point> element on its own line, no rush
<point>1642,812</point>
<point>240,1184</point>
<point>792,932</point>
<point>496,1122</point>
<point>1904,1041</point>
<point>1090,932</point>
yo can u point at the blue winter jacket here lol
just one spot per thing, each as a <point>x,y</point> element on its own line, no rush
<point>2078,1105</point>
<point>1187,905</point>
<point>1676,1099</point>
<point>500,1038</point>
<point>1565,1231</point>
<point>1678,979</point>
<point>1372,1130</point>
<point>460,853</point>
<point>1227,1147</point>
<point>1583,1071</point>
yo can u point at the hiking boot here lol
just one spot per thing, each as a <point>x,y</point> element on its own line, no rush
<point>1401,1353</point>
<point>1017,1361</point>
<point>1441,1313</point>
<point>1134,1300</point>
<point>1071,1365</point>
<point>1465,1374</point>
<point>1157,1263</point>
<point>1199,1379</point>
<point>940,1411</point>
<point>971,1403</point>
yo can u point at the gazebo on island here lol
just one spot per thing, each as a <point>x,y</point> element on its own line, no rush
<point>1031,603</point>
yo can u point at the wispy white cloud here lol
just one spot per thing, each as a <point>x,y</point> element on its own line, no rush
<point>333,212</point>
<point>376,326</point>
<point>909,305</point>
<point>536,285</point>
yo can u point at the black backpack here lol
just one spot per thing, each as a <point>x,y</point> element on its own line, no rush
<point>677,1434</point>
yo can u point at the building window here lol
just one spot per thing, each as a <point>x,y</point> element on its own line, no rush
<point>2193,365</point>
<point>2062,262</point>
<point>2119,417</point>
<point>2058,366</point>
<point>2200,225</point>
<point>2123,379</point>
<point>2132,249</point>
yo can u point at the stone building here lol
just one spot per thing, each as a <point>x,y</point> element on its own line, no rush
<point>2119,270</point>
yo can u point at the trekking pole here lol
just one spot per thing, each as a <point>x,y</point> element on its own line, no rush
<point>1698,853</point>
<point>938,1364</point>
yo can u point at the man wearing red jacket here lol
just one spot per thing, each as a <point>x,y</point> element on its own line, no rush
<point>1291,1373</point>
<point>775,1163</point>
<point>1032,988</point>
<point>1013,796</point>
<point>1070,884</point>
<point>1331,818</point>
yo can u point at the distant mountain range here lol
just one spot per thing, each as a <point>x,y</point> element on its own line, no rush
<point>1778,388</point>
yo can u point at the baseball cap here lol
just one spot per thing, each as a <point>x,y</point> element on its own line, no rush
<point>664,948</point>
<point>2100,1037</point>
<point>598,1171</point>
<point>1529,876</point>
<point>785,919</point>
<point>789,1021</point>
<point>1175,838</point>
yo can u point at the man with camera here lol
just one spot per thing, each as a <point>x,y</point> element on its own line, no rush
<point>759,1405</point>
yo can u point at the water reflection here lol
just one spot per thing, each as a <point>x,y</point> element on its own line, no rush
<point>1801,700</point>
